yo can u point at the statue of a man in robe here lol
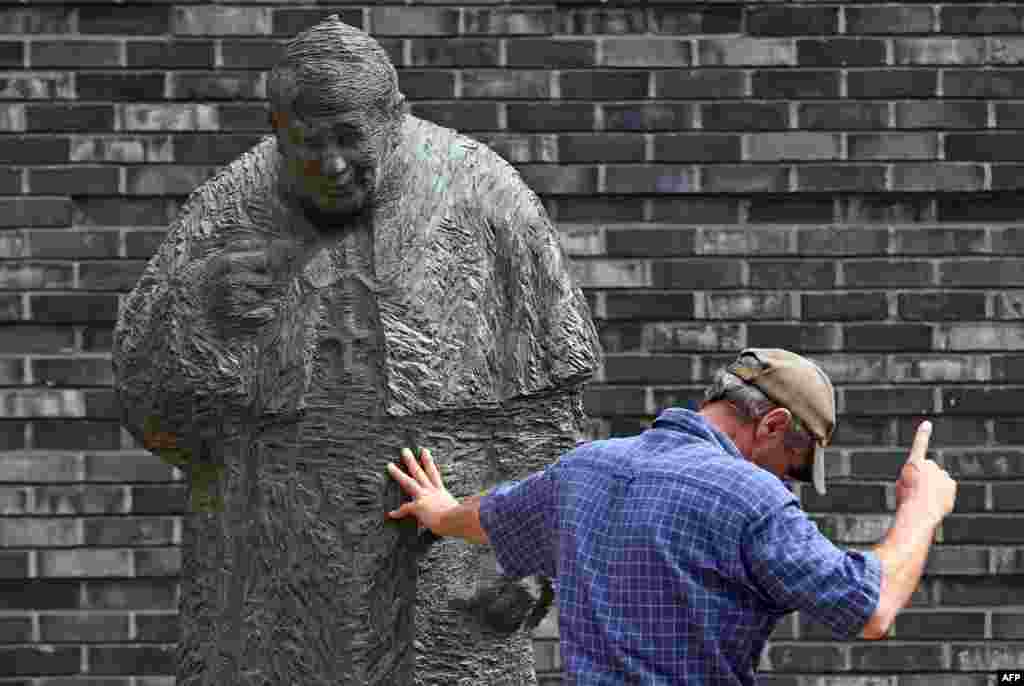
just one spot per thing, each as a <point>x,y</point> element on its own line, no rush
<point>360,281</point>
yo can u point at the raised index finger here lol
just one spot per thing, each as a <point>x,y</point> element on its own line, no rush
<point>920,446</point>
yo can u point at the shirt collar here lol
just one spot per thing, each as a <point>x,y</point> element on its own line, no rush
<point>688,421</point>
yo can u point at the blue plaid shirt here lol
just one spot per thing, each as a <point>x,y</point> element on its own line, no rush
<point>674,557</point>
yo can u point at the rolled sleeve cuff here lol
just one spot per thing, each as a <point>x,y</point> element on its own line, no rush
<point>864,601</point>
<point>491,520</point>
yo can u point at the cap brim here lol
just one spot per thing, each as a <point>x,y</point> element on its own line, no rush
<point>819,469</point>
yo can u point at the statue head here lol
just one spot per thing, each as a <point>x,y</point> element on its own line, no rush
<point>337,111</point>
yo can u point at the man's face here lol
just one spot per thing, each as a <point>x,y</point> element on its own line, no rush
<point>332,163</point>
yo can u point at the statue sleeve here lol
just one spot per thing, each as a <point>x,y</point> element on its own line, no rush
<point>548,337</point>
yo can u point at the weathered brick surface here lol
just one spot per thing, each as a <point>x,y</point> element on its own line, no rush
<point>838,178</point>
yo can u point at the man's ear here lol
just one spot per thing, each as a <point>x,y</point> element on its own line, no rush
<point>777,420</point>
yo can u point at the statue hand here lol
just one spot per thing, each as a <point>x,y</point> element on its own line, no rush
<point>244,276</point>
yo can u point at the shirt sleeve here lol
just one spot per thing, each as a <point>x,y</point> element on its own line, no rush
<point>792,564</point>
<point>518,518</point>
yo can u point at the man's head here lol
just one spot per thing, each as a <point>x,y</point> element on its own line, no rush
<point>336,110</point>
<point>779,409</point>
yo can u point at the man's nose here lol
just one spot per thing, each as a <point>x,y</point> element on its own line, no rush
<point>334,163</point>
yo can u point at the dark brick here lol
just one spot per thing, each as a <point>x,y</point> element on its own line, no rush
<point>894,83</point>
<point>805,208</point>
<point>74,308</point>
<point>12,435</point>
<point>909,658</point>
<point>158,562</point>
<point>942,115</point>
<point>79,372</point>
<point>293,21</point>
<point>977,207</point>
<point>161,500</point>
<point>886,273</point>
<point>1009,115</point>
<point>697,147</point>
<point>131,660</point>
<point>78,53</point>
<point>925,241</point>
<point>885,209</point>
<point>805,658</point>
<point>69,117</point>
<point>888,401</point>
<point>180,54</point>
<point>789,21</point>
<point>806,338</point>
<point>561,180</point>
<point>162,628</point>
<point>34,150</point>
<point>427,84</point>
<point>1009,431</point>
<point>12,54</point>
<point>29,594</point>
<point>132,20</point>
<point>647,368</point>
<point>35,20</point>
<point>600,147</point>
<point>29,338</point>
<point>249,54</point>
<point>545,52</point>
<point>216,148</point>
<point>970,498</point>
<point>35,212</point>
<point>844,306</point>
<point>79,244</point>
<point>981,272</point>
<point>619,337</point>
<point>1007,625</point>
<point>981,19</point>
<point>15,630</point>
<point>705,19</point>
<point>84,628</point>
<point>697,274</point>
<point>696,209</point>
<point>644,117</point>
<point>639,306</point>
<point>840,177</point>
<point>698,83</point>
<point>540,117</point>
<point>982,529</point>
<point>220,85</point>
<point>39,660</point>
<point>243,117</point>
<point>985,146</point>
<point>76,435</point>
<point>1007,176</point>
<point>793,274</point>
<point>1008,368</point>
<point>744,116</point>
<point>604,84</point>
<point>502,21</point>
<point>745,178</point>
<point>128,531</point>
<point>613,401</point>
<point>118,86</point>
<point>10,181</point>
<point>840,52</point>
<point>999,464</point>
<point>843,115</point>
<point>945,431</point>
<point>895,19</point>
<point>842,241</point>
<point>982,83</point>
<point>13,564</point>
<point>602,20</point>
<point>942,306</point>
<point>845,498</point>
<point>884,337</point>
<point>470,52</point>
<point>876,465</point>
<point>605,209</point>
<point>801,84</point>
<point>974,400</point>
<point>145,467</point>
<point>74,181</point>
<point>654,178</point>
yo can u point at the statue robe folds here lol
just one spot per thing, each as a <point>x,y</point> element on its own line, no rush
<point>448,315</point>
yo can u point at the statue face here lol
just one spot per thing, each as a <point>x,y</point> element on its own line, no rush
<point>332,163</point>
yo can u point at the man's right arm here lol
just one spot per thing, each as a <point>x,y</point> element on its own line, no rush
<point>925,494</point>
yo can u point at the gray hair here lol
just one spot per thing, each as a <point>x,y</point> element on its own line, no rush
<point>751,403</point>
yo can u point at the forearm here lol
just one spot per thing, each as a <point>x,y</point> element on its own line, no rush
<point>463,521</point>
<point>902,553</point>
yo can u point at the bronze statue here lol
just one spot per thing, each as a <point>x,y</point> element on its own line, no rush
<point>361,281</point>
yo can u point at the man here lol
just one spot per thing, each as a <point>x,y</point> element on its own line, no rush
<point>359,277</point>
<point>678,550</point>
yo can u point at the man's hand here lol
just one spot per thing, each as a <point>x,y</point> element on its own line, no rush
<point>923,484</point>
<point>431,500</point>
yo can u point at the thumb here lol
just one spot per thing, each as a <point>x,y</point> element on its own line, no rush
<point>404,511</point>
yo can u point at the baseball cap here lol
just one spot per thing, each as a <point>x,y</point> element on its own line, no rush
<point>799,385</point>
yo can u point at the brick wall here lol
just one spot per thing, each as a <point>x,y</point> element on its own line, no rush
<point>837,179</point>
